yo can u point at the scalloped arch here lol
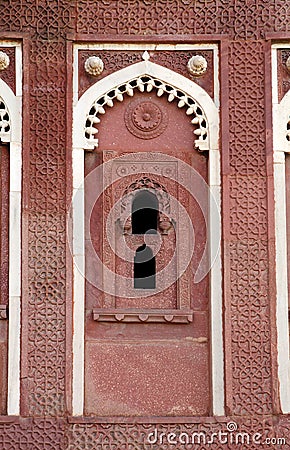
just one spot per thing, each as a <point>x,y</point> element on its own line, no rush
<point>285,108</point>
<point>10,116</point>
<point>5,123</point>
<point>146,76</point>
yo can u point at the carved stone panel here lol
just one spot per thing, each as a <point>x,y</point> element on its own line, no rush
<point>144,144</point>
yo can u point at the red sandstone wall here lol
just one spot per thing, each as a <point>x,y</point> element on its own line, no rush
<point>47,30</point>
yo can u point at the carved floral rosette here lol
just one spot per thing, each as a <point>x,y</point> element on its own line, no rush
<point>197,65</point>
<point>94,66</point>
<point>145,119</point>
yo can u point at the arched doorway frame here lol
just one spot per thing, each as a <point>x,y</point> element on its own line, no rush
<point>13,104</point>
<point>80,143</point>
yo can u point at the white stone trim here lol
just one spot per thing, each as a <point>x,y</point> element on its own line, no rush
<point>281,113</point>
<point>217,349</point>
<point>14,106</point>
<point>80,110</point>
<point>79,281</point>
<point>281,116</point>
<point>18,69</point>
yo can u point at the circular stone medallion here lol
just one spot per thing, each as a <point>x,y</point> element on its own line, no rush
<point>145,119</point>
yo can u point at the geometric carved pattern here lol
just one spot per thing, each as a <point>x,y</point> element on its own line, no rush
<point>237,19</point>
<point>47,219</point>
<point>247,114</point>
<point>33,435</point>
<point>100,436</point>
<point>151,17</point>
<point>248,203</point>
<point>240,20</point>
<point>251,344</point>
<point>43,308</point>
<point>47,324</point>
<point>250,332</point>
<point>57,434</point>
<point>45,395</point>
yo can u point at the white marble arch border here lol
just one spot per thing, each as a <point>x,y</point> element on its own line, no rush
<point>281,146</point>
<point>14,106</point>
<point>80,111</point>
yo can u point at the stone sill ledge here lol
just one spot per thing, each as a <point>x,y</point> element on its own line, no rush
<point>143,316</point>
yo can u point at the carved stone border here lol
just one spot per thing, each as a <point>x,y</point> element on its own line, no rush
<point>138,316</point>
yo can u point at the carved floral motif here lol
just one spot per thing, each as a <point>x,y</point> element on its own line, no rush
<point>145,120</point>
<point>197,65</point>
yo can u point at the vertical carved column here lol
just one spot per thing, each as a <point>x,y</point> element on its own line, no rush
<point>44,294</point>
<point>247,294</point>
<point>46,304</point>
